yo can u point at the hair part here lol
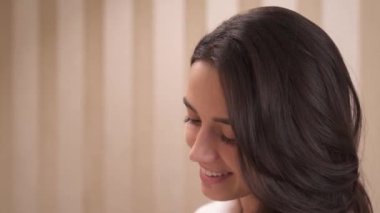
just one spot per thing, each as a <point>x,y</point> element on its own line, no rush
<point>293,108</point>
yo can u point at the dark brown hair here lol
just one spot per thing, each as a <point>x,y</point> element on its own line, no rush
<point>293,108</point>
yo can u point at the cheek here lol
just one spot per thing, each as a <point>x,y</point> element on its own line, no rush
<point>231,157</point>
<point>190,134</point>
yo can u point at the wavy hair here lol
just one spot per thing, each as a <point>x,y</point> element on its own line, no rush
<point>293,108</point>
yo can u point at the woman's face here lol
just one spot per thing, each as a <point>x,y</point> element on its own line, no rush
<point>210,136</point>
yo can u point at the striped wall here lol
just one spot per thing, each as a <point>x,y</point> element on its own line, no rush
<point>90,98</point>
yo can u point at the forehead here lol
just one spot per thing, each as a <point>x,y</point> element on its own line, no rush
<point>204,90</point>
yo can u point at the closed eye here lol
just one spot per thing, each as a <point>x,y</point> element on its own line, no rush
<point>196,122</point>
<point>227,140</point>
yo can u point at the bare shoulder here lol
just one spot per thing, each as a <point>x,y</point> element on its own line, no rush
<point>230,206</point>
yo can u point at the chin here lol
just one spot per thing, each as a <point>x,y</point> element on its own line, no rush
<point>220,195</point>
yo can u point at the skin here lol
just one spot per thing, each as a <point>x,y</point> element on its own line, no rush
<point>211,138</point>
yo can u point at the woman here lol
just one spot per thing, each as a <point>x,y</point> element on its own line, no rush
<point>273,119</point>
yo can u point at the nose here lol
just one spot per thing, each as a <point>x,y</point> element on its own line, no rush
<point>203,150</point>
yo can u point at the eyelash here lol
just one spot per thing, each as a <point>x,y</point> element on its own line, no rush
<point>227,140</point>
<point>198,122</point>
<point>195,122</point>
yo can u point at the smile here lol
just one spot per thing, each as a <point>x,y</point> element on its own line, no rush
<point>213,177</point>
<point>214,174</point>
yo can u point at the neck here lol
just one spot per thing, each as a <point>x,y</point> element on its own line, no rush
<point>249,204</point>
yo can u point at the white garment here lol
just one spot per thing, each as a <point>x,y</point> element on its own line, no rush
<point>231,206</point>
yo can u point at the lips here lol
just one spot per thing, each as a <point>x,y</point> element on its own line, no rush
<point>213,177</point>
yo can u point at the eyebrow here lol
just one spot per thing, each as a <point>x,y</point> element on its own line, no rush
<point>218,120</point>
<point>188,105</point>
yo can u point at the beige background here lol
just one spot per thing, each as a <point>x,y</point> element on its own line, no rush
<point>90,98</point>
